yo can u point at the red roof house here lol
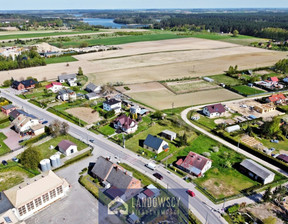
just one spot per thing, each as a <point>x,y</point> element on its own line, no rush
<point>54,86</point>
<point>273,79</point>
<point>276,98</point>
<point>194,164</point>
<point>126,124</point>
<point>214,110</point>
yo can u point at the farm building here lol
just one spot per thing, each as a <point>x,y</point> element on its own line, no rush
<point>170,135</point>
<point>36,193</point>
<point>126,124</point>
<point>120,182</point>
<point>232,128</point>
<point>264,108</point>
<point>256,171</point>
<point>155,144</point>
<point>67,147</point>
<point>194,164</point>
<point>93,88</point>
<point>54,86</point>
<point>112,104</point>
<point>91,96</point>
<point>215,110</point>
<point>7,109</point>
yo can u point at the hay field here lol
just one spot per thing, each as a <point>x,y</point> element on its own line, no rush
<point>156,60</point>
<point>190,86</point>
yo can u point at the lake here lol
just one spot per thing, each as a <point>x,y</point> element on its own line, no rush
<point>103,22</point>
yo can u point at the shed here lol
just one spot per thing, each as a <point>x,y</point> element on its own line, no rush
<point>232,128</point>
<point>208,79</point>
<point>91,96</point>
<point>67,147</point>
<point>133,219</point>
<point>170,135</point>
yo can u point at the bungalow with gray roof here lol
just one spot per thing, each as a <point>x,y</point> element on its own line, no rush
<point>69,78</point>
<point>155,144</point>
<point>91,87</point>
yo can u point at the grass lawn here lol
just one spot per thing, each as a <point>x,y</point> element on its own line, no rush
<point>206,121</point>
<point>12,175</point>
<point>106,130</point>
<point>246,90</point>
<point>281,146</point>
<point>4,148</point>
<point>46,152</point>
<point>60,59</point>
<point>219,181</point>
<point>227,80</point>
<point>5,124</point>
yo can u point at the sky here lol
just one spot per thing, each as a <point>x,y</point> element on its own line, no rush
<point>139,4</point>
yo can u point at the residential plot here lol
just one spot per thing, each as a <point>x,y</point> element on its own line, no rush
<point>86,114</point>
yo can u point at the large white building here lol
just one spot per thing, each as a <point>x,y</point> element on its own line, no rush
<point>112,104</point>
<point>36,194</point>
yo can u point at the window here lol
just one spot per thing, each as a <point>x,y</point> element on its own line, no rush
<point>22,210</point>
<point>38,202</point>
<point>59,190</point>
<point>45,197</point>
<point>30,206</point>
<point>52,194</point>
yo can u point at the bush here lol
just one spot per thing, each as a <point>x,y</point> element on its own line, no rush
<point>206,154</point>
<point>233,209</point>
<point>30,158</point>
<point>109,114</point>
<point>215,149</point>
<point>126,88</point>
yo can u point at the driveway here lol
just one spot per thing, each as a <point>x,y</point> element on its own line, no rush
<point>12,140</point>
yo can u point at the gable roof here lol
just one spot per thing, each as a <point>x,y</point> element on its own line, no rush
<point>91,86</point>
<point>274,79</point>
<point>53,84</point>
<point>92,95</point>
<point>102,167</point>
<point>283,157</point>
<point>276,97</point>
<point>28,82</point>
<point>66,76</point>
<point>125,121</point>
<point>193,162</point>
<point>119,179</point>
<point>33,188</point>
<point>216,108</point>
<point>9,106</point>
<point>153,142</point>
<point>65,144</point>
<point>256,168</point>
<point>66,91</point>
<point>111,101</point>
<point>15,113</point>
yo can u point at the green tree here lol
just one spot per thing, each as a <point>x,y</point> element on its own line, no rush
<point>158,114</point>
<point>80,71</point>
<point>84,44</point>
<point>235,33</point>
<point>30,158</point>
<point>7,83</point>
<point>266,195</point>
<point>270,220</point>
<point>55,128</point>
<point>272,128</point>
<point>64,128</point>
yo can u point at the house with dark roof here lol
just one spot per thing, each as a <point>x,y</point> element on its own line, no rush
<point>92,88</point>
<point>283,157</point>
<point>7,109</point>
<point>15,113</point>
<point>54,87</point>
<point>125,124</point>
<point>214,110</point>
<point>155,144</point>
<point>120,182</point>
<point>256,171</point>
<point>276,98</point>
<point>67,147</point>
<point>112,104</point>
<point>92,96</point>
<point>25,84</point>
<point>194,164</point>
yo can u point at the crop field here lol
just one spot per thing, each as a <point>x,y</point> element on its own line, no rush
<point>60,59</point>
<point>246,90</point>
<point>227,80</point>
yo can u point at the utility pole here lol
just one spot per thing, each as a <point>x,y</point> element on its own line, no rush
<point>123,140</point>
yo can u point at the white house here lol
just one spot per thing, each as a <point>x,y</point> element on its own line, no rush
<point>215,110</point>
<point>126,124</point>
<point>24,123</point>
<point>36,193</point>
<point>155,144</point>
<point>67,147</point>
<point>54,86</point>
<point>135,109</point>
<point>93,88</point>
<point>69,78</point>
<point>112,104</point>
<point>67,94</point>
<point>38,129</point>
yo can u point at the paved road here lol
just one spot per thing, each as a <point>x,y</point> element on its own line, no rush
<point>102,145</point>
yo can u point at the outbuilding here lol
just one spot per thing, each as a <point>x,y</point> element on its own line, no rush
<point>232,128</point>
<point>170,135</point>
<point>67,147</point>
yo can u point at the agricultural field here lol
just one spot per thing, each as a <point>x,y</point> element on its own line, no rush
<point>246,90</point>
<point>62,59</point>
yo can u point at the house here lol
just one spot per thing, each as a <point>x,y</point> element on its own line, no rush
<point>215,110</point>
<point>135,109</point>
<point>38,129</point>
<point>93,88</point>
<point>152,191</point>
<point>125,123</point>
<point>7,109</point>
<point>67,94</point>
<point>283,157</point>
<point>112,104</point>
<point>264,108</point>
<point>23,124</point>
<point>232,128</point>
<point>170,135</point>
<point>54,86</point>
<point>36,193</point>
<point>276,99</point>
<point>25,84</point>
<point>91,96</point>
<point>122,183</point>
<point>155,144</point>
<point>128,103</point>
<point>273,79</point>
<point>133,219</point>
<point>194,164</point>
<point>256,171</point>
<point>69,78</point>
<point>67,147</point>
<point>15,113</point>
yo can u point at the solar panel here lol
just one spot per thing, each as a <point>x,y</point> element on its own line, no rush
<point>7,219</point>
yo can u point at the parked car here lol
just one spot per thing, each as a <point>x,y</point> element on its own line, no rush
<point>191,193</point>
<point>15,159</point>
<point>45,122</point>
<point>91,140</point>
<point>4,162</point>
<point>158,176</point>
